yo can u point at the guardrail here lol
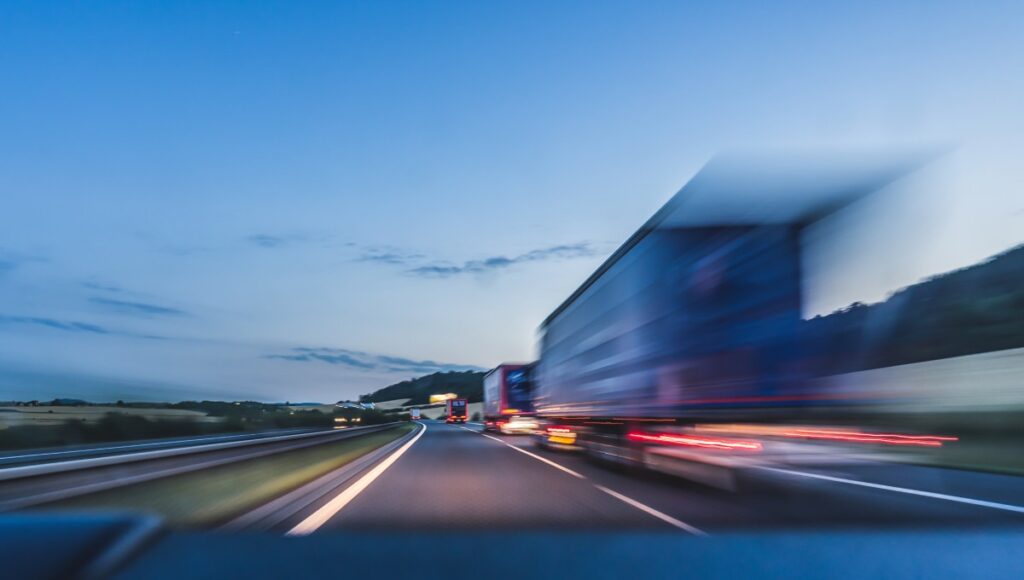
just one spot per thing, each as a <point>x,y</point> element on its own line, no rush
<point>13,458</point>
<point>37,484</point>
<point>93,462</point>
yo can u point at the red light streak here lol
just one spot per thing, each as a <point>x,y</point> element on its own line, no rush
<point>861,437</point>
<point>695,441</point>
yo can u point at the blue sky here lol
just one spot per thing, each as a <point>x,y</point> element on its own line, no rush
<point>304,201</point>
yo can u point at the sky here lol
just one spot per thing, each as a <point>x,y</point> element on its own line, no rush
<point>307,201</point>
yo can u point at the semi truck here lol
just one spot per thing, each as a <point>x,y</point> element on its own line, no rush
<point>696,320</point>
<point>455,411</point>
<point>508,399</point>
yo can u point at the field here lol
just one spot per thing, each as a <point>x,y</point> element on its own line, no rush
<point>55,415</point>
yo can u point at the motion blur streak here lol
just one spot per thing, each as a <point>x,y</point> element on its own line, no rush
<point>846,435</point>
<point>886,438</point>
<point>320,516</point>
<point>691,441</point>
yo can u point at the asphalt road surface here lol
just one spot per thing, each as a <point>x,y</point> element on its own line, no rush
<point>457,478</point>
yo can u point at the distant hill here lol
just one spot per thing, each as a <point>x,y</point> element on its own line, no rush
<point>468,384</point>
<point>976,309</point>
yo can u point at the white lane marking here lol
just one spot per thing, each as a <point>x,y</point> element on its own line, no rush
<point>331,508</point>
<point>651,511</point>
<point>533,455</point>
<point>627,500</point>
<point>931,494</point>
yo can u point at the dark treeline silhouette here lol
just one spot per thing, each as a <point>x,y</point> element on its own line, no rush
<point>126,427</point>
<point>973,310</point>
<point>468,384</point>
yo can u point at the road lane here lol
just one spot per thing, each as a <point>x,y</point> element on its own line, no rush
<point>453,479</point>
<point>789,501</point>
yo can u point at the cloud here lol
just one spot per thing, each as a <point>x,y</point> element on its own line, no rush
<point>102,287</point>
<point>71,326</point>
<point>128,307</point>
<point>333,356</point>
<point>275,240</point>
<point>11,260</point>
<point>367,361</point>
<point>388,256</point>
<point>494,263</point>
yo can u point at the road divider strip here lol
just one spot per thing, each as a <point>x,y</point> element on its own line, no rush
<point>917,492</point>
<point>289,507</point>
<point>336,504</point>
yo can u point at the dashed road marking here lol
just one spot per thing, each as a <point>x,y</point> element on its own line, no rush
<point>533,455</point>
<point>625,499</point>
<point>651,511</point>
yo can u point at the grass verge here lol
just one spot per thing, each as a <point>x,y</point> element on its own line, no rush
<point>212,496</point>
<point>992,455</point>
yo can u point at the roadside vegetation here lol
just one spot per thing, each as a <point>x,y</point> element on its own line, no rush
<point>466,384</point>
<point>973,310</point>
<point>59,423</point>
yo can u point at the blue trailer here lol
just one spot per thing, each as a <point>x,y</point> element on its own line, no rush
<point>697,316</point>
<point>508,398</point>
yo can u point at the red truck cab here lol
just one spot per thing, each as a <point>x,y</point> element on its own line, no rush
<point>455,411</point>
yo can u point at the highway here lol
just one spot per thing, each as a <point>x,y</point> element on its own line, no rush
<point>452,477</point>
<point>477,496</point>
<point>457,478</point>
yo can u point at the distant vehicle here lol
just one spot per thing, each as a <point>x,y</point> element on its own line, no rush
<point>455,411</point>
<point>414,414</point>
<point>508,399</point>
<point>517,424</point>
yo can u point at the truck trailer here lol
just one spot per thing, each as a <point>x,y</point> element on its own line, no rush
<point>695,319</point>
<point>508,399</point>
